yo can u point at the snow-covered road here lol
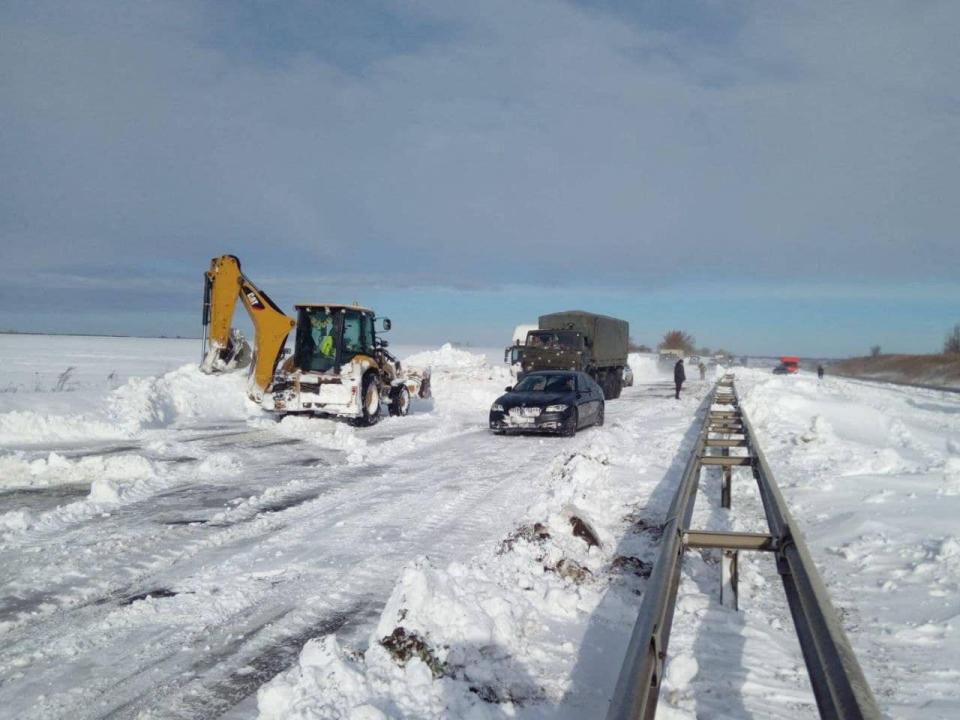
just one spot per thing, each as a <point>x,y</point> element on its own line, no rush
<point>167,551</point>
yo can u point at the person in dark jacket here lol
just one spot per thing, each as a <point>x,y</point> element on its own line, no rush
<point>679,375</point>
<point>819,372</point>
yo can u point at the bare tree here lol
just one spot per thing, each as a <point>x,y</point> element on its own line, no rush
<point>951,346</point>
<point>634,346</point>
<point>875,351</point>
<point>678,340</point>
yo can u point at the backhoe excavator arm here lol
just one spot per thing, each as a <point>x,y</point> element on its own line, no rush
<point>224,283</point>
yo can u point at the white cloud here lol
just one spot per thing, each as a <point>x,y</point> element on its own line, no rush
<point>526,142</point>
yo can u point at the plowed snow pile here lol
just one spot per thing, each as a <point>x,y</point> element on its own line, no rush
<point>183,396</point>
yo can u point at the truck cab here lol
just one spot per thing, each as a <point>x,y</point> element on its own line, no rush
<point>548,350</point>
<point>789,365</point>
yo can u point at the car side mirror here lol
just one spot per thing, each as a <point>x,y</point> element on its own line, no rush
<point>508,388</point>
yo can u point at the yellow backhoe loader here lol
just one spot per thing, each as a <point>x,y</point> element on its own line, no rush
<point>338,367</point>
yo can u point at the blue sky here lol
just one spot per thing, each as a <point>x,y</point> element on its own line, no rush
<point>772,177</point>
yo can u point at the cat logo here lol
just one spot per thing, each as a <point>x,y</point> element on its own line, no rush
<point>254,301</point>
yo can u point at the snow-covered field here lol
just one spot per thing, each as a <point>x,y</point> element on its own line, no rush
<point>166,551</point>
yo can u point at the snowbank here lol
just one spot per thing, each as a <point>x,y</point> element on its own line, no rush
<point>19,428</point>
<point>644,366</point>
<point>184,395</point>
<point>447,358</point>
<point>451,367</point>
<point>18,472</point>
<point>500,635</point>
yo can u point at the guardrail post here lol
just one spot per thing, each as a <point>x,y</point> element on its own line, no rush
<point>726,490</point>
<point>729,579</point>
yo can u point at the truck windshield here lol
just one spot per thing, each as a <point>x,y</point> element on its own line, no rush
<point>554,339</point>
<point>546,383</point>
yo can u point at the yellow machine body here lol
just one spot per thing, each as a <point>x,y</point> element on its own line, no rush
<point>225,282</point>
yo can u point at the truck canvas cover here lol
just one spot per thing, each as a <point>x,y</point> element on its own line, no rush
<point>608,335</point>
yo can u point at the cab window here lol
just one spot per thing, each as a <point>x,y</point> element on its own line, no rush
<point>366,333</point>
<point>316,340</point>
<point>351,335</point>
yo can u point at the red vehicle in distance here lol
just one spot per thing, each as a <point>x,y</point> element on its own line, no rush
<point>789,365</point>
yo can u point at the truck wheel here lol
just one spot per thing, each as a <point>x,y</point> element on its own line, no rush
<point>606,386</point>
<point>369,401</point>
<point>616,385</point>
<point>399,401</point>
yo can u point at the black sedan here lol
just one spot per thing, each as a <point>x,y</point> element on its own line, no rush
<point>555,401</point>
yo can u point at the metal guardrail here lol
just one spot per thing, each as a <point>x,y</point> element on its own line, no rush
<point>839,686</point>
<point>640,678</point>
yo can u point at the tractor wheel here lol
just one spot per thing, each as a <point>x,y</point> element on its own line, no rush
<point>369,401</point>
<point>399,401</point>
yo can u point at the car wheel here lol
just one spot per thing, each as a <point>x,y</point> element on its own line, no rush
<point>369,401</point>
<point>569,428</point>
<point>400,401</point>
<point>600,412</point>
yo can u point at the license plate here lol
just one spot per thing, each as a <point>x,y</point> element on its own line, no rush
<point>527,412</point>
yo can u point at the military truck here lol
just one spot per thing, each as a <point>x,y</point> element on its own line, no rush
<point>576,340</point>
<point>667,358</point>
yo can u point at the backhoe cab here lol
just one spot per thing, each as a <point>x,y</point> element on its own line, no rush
<point>338,367</point>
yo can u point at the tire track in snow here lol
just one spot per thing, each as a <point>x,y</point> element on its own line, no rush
<point>153,563</point>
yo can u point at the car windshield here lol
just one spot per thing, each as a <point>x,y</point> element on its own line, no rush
<point>546,383</point>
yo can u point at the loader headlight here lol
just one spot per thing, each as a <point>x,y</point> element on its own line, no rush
<point>496,407</point>
<point>556,408</point>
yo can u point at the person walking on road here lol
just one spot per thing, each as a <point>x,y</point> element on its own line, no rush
<point>819,372</point>
<point>679,375</point>
<point>703,371</point>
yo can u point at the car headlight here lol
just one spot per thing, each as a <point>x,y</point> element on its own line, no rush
<point>556,408</point>
<point>496,407</point>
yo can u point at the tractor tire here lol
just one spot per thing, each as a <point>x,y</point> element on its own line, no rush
<point>369,401</point>
<point>400,401</point>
